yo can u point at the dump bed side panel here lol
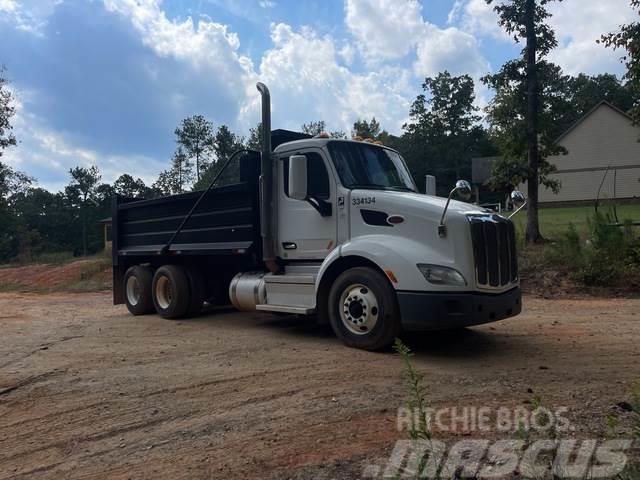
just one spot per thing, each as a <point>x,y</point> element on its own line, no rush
<point>225,222</point>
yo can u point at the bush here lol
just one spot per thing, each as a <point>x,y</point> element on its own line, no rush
<point>607,258</point>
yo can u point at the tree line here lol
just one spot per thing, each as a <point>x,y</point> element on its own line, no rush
<point>533,103</point>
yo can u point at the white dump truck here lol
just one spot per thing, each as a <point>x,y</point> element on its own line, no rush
<point>319,226</point>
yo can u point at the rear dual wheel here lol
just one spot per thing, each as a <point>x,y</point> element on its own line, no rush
<point>137,290</point>
<point>178,291</point>
<point>173,291</point>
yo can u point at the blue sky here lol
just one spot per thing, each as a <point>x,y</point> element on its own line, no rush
<point>106,81</point>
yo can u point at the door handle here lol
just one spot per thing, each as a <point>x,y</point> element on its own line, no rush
<point>289,245</point>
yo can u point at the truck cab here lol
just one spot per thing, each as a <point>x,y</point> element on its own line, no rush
<point>346,236</point>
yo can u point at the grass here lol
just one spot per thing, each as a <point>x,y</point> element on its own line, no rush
<point>555,221</point>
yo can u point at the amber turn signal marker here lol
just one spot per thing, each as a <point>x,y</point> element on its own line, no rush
<point>391,276</point>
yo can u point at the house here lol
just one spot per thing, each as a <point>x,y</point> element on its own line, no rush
<point>106,226</point>
<point>603,160</point>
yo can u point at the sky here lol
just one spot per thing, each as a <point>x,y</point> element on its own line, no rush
<point>105,82</point>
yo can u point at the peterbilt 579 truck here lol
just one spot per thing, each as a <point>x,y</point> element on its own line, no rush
<point>319,226</point>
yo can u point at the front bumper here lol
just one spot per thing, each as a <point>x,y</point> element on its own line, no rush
<point>441,311</point>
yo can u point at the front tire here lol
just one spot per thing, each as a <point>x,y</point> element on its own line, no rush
<point>363,310</point>
<point>137,290</point>
<point>170,289</point>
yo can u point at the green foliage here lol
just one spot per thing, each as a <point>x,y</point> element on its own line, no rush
<point>507,116</point>
<point>443,132</point>
<point>254,142</point>
<point>610,254</point>
<point>226,143</point>
<point>628,39</point>
<point>366,129</point>
<point>314,128</point>
<point>317,127</point>
<point>127,186</point>
<point>195,135</point>
<point>416,392</point>
<point>7,110</point>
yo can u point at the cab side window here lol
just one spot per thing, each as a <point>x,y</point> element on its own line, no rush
<point>317,176</point>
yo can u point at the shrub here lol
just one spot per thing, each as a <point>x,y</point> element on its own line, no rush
<point>610,254</point>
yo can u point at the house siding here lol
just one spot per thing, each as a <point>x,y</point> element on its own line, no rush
<point>604,154</point>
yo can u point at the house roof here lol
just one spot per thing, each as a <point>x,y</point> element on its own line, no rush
<point>586,115</point>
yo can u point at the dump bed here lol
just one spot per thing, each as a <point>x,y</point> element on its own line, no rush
<point>226,221</point>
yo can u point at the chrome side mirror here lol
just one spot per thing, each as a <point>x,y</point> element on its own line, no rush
<point>463,189</point>
<point>298,177</point>
<point>519,200</point>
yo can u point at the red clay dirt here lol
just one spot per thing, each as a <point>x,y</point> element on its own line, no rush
<point>88,391</point>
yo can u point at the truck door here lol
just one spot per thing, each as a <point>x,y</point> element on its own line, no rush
<point>307,229</point>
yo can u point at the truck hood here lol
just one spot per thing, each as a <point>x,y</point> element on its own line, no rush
<point>418,204</point>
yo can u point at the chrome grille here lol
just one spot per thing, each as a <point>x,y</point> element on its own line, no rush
<point>494,250</point>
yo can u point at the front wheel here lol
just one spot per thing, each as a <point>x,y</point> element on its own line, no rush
<point>363,309</point>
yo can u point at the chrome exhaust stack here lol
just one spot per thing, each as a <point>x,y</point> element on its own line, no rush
<point>266,183</point>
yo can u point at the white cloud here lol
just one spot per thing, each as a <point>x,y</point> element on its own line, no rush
<point>267,3</point>
<point>478,18</point>
<point>28,15</point>
<point>8,6</point>
<point>577,24</point>
<point>577,30</point>
<point>449,49</point>
<point>390,29</point>
<point>207,46</point>
<point>384,29</point>
<point>308,82</point>
<point>49,154</point>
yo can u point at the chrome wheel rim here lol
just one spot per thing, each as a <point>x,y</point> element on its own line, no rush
<point>133,290</point>
<point>164,292</point>
<point>359,309</point>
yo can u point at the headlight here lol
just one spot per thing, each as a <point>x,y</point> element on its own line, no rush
<point>438,275</point>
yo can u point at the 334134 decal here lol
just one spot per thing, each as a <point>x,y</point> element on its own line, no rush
<point>363,201</point>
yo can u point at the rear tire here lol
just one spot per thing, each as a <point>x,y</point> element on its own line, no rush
<point>363,309</point>
<point>137,290</point>
<point>170,290</point>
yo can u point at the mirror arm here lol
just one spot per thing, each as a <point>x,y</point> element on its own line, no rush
<point>518,210</point>
<point>442,228</point>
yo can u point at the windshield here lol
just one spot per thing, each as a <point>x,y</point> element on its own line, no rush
<point>362,165</point>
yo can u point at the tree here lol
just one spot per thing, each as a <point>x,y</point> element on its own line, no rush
<point>195,136</point>
<point>167,183</point>
<point>314,128</point>
<point>127,186</point>
<point>254,142</point>
<point>12,184</point>
<point>444,123</point>
<point>80,192</point>
<point>317,127</point>
<point>366,129</point>
<point>7,110</point>
<point>628,38</point>
<point>226,143</point>
<point>525,20</point>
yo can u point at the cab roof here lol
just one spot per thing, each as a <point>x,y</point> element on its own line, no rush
<point>319,142</point>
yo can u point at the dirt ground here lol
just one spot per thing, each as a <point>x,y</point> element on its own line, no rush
<point>88,391</point>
